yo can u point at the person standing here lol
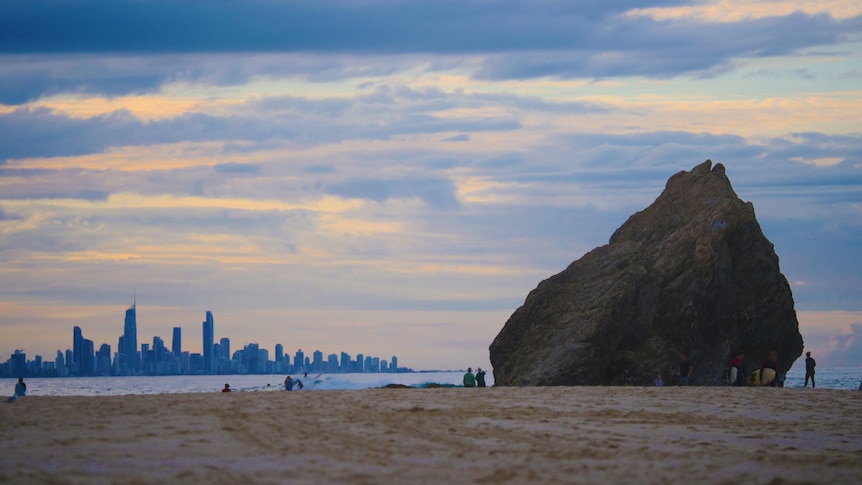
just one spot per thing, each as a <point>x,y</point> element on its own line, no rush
<point>685,370</point>
<point>809,369</point>
<point>480,377</point>
<point>469,378</point>
<point>658,380</point>
<point>737,363</point>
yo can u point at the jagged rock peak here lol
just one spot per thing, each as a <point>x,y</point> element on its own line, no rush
<point>692,273</point>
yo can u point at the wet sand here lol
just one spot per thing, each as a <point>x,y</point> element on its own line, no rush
<point>450,435</point>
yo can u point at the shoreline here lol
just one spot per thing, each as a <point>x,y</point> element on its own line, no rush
<point>413,435</point>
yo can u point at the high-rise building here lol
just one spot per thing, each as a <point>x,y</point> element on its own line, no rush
<point>77,351</point>
<point>18,363</point>
<point>298,361</point>
<point>103,360</point>
<point>70,360</point>
<point>130,340</point>
<point>224,343</point>
<point>208,350</point>
<point>393,366</point>
<point>177,342</point>
<point>317,364</point>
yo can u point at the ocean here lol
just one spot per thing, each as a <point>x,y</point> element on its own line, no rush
<point>827,378</point>
<point>115,386</point>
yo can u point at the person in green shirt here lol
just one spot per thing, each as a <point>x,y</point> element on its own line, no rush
<point>469,378</point>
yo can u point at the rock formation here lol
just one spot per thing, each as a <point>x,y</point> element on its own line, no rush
<point>693,273</point>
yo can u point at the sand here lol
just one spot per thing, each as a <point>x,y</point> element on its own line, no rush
<point>601,435</point>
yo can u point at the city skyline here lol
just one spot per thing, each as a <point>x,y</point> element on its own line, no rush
<point>215,359</point>
<point>401,174</point>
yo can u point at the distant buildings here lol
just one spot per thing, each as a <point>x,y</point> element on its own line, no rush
<point>156,360</point>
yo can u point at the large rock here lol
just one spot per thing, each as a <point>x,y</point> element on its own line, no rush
<point>693,273</point>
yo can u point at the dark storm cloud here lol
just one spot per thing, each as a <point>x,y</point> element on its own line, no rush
<point>149,44</point>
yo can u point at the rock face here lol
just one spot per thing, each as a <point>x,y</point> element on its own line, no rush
<point>693,273</point>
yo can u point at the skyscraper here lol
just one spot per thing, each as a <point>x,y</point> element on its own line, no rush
<point>130,340</point>
<point>77,351</point>
<point>209,354</point>
<point>177,342</point>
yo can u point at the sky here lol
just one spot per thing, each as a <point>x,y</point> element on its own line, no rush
<point>392,177</point>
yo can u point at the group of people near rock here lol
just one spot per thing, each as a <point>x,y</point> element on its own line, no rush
<point>736,374</point>
<point>477,380</point>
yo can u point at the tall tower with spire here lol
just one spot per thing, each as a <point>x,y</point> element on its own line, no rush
<point>130,338</point>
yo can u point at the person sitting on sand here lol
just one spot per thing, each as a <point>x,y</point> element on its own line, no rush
<point>480,377</point>
<point>288,383</point>
<point>469,378</point>
<point>226,388</point>
<point>20,390</point>
<point>770,363</point>
<point>737,363</point>
<point>685,370</point>
<point>628,378</point>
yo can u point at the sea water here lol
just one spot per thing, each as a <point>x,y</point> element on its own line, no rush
<point>827,378</point>
<point>117,385</point>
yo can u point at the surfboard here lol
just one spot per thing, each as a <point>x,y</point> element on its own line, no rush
<point>734,372</point>
<point>764,380</point>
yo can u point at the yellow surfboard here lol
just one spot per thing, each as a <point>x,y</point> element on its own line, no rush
<point>764,380</point>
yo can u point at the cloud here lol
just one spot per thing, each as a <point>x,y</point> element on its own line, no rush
<point>237,168</point>
<point>847,347</point>
<point>437,193</point>
<point>115,49</point>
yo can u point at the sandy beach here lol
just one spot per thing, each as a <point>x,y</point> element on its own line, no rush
<point>448,435</point>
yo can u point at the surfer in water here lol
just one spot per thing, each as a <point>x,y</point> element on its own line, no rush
<point>288,383</point>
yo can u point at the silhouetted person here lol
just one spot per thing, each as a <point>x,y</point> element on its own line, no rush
<point>226,388</point>
<point>480,377</point>
<point>809,369</point>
